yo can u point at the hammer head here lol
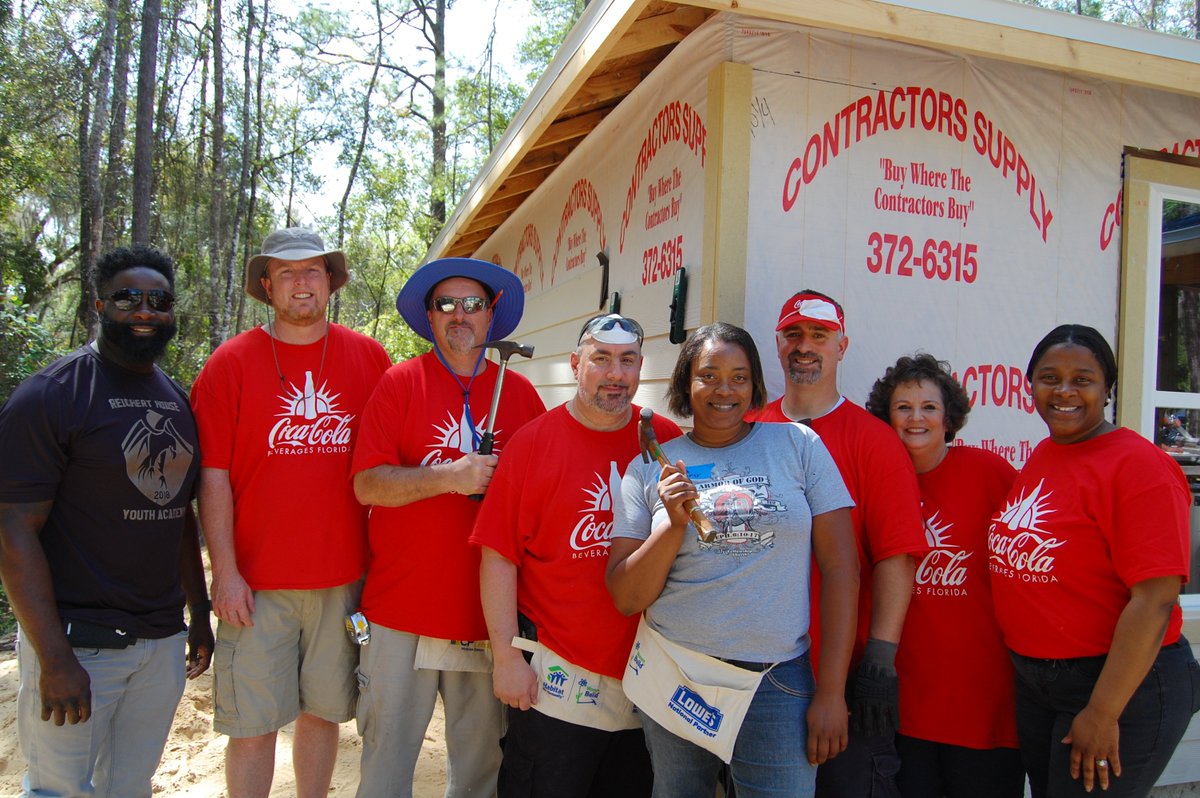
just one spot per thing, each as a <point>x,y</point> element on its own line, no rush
<point>646,439</point>
<point>507,349</point>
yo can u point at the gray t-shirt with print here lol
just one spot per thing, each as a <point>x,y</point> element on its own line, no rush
<point>744,596</point>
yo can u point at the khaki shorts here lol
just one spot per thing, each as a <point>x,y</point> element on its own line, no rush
<point>297,657</point>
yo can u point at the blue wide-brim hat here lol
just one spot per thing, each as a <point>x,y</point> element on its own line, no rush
<point>412,301</point>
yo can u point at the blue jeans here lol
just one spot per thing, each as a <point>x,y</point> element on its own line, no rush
<point>135,692</point>
<point>1050,692</point>
<point>769,756</point>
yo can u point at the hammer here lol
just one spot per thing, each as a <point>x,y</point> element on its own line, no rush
<point>651,449</point>
<point>506,349</point>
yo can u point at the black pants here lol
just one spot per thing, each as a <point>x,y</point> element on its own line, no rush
<point>1051,692</point>
<point>941,770</point>
<point>545,757</point>
<point>866,769</point>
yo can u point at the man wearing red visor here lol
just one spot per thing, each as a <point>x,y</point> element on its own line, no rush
<point>811,341</point>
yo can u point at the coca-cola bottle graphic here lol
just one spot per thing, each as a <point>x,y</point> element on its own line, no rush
<point>614,484</point>
<point>309,403</point>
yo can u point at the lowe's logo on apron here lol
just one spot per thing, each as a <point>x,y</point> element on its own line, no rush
<point>691,707</point>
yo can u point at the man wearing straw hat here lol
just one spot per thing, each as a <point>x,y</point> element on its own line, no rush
<point>417,463</point>
<point>278,409</point>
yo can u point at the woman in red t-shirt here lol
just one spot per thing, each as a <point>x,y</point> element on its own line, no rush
<point>1086,559</point>
<point>958,732</point>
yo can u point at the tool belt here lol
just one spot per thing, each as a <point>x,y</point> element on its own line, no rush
<point>465,656</point>
<point>577,695</point>
<point>696,697</point>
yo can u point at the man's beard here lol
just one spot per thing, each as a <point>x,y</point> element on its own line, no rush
<point>139,349</point>
<point>460,338</point>
<point>804,375</point>
<point>613,405</point>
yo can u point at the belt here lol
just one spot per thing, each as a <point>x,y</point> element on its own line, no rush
<point>757,667</point>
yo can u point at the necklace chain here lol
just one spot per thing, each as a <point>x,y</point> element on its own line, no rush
<point>320,369</point>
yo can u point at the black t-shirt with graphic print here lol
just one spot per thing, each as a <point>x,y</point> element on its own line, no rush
<point>116,451</point>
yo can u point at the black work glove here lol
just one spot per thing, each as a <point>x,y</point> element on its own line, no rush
<point>875,692</point>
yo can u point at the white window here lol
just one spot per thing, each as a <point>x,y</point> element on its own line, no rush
<point>1159,346</point>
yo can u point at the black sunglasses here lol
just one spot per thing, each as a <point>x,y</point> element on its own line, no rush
<point>159,299</point>
<point>470,304</point>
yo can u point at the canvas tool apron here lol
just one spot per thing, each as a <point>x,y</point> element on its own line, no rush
<point>696,697</point>
<point>472,656</point>
<point>569,692</point>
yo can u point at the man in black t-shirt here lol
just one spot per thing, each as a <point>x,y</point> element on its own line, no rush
<point>98,544</point>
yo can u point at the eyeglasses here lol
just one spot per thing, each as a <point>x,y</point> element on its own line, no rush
<point>469,304</point>
<point>131,299</point>
<point>600,324</point>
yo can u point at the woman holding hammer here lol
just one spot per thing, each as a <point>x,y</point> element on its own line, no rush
<point>720,668</point>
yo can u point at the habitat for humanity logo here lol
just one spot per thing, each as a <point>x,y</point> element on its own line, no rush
<point>586,694</point>
<point>687,704</point>
<point>555,683</point>
<point>637,661</point>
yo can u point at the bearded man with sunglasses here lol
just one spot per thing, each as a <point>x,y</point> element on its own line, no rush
<point>278,409</point>
<point>98,544</point>
<point>417,462</point>
<point>544,531</point>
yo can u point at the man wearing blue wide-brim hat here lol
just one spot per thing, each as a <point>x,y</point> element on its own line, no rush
<point>417,463</point>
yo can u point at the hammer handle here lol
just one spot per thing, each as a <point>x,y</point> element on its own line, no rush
<point>704,527</point>
<point>485,447</point>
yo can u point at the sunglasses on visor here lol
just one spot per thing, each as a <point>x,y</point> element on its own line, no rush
<point>131,299</point>
<point>601,324</point>
<point>469,304</point>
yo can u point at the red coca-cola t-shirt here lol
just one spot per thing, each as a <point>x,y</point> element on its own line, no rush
<point>1083,523</point>
<point>956,677</point>
<point>549,509</point>
<point>879,475</point>
<point>282,421</point>
<point>423,577</point>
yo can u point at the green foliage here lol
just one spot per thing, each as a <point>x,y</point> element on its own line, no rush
<point>554,19</point>
<point>25,347</point>
<point>22,271</point>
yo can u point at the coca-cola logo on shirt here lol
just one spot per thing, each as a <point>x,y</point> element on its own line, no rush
<point>592,534</point>
<point>311,422</point>
<point>943,571</point>
<point>1020,548</point>
<point>452,438</point>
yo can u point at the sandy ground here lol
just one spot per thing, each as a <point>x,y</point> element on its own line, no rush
<point>193,762</point>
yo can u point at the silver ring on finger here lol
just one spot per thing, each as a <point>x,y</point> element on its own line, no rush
<point>1101,763</point>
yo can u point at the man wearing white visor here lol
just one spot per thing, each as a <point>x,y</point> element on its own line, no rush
<point>545,529</point>
<point>811,340</point>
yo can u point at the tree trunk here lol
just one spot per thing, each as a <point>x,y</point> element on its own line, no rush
<point>91,138</point>
<point>143,129</point>
<point>99,123</point>
<point>202,109</point>
<point>364,131</point>
<point>243,173</point>
<point>258,146</point>
<point>162,122</point>
<point>218,322</point>
<point>437,205</point>
<point>116,177</point>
